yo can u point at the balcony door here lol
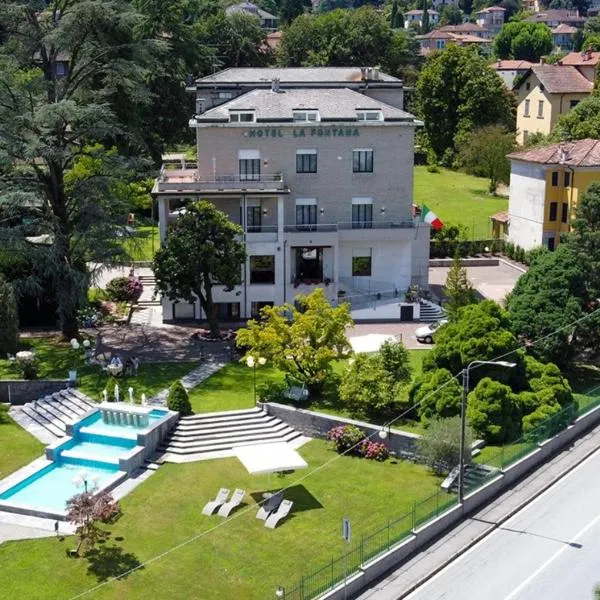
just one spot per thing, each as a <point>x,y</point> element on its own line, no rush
<point>309,265</point>
<point>249,165</point>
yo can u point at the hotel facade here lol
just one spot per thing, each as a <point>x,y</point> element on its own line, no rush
<point>316,166</point>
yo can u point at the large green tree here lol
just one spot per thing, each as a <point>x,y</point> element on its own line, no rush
<point>458,289</point>
<point>456,93</point>
<point>47,122</point>
<point>580,122</point>
<point>300,339</point>
<point>9,318</point>
<point>523,40</point>
<point>203,246</point>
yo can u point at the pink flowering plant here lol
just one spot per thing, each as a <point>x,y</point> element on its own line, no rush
<point>374,450</point>
<point>351,439</point>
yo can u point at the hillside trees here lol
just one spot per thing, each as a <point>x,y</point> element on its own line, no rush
<point>523,40</point>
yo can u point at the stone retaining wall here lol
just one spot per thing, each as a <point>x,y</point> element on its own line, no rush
<point>21,391</point>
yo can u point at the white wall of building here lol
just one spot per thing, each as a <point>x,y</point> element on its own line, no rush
<point>526,204</point>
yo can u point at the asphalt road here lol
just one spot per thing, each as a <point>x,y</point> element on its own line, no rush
<point>550,550</point>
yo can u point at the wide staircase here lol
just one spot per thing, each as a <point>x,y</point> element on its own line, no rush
<point>218,433</point>
<point>53,412</point>
<point>148,297</point>
<point>430,312</point>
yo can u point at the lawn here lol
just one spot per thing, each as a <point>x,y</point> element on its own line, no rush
<point>140,245</point>
<point>458,199</point>
<point>18,447</point>
<point>238,558</point>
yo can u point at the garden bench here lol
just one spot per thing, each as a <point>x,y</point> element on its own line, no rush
<point>296,393</point>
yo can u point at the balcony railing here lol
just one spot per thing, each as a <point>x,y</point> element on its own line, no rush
<point>192,180</point>
<point>343,225</point>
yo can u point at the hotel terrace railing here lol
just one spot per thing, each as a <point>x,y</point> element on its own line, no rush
<point>189,179</point>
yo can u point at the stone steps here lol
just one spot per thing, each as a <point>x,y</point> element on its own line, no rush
<point>430,312</point>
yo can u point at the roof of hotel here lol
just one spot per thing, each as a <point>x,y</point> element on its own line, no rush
<point>564,28</point>
<point>332,104</point>
<point>582,153</point>
<point>302,75</point>
<point>512,65</point>
<point>581,59</point>
<point>560,79</point>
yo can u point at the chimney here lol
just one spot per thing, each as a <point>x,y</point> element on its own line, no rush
<point>275,85</point>
<point>542,60</point>
<point>375,73</point>
<point>369,73</point>
<point>363,73</point>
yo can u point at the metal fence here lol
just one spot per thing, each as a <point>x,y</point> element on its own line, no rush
<point>401,528</point>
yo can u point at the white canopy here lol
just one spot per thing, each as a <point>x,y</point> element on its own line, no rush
<point>269,458</point>
<point>371,342</point>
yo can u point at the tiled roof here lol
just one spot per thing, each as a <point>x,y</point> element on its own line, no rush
<point>248,7</point>
<point>436,34</point>
<point>420,12</point>
<point>332,104</point>
<point>464,28</point>
<point>560,79</point>
<point>491,9</point>
<point>563,28</point>
<point>512,65</point>
<point>556,14</point>
<point>306,75</point>
<point>581,59</point>
<point>582,153</point>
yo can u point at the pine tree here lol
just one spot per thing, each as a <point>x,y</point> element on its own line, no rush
<point>458,290</point>
<point>9,318</point>
<point>425,21</point>
<point>394,14</point>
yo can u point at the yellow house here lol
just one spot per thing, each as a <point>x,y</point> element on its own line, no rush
<point>545,93</point>
<point>545,186</point>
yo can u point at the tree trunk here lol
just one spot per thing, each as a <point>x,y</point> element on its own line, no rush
<point>209,307</point>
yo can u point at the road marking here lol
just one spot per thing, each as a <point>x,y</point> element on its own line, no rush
<point>527,581</point>
<point>498,530</point>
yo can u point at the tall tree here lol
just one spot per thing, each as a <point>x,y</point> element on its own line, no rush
<point>523,40</point>
<point>451,15</point>
<point>425,18</point>
<point>457,92</point>
<point>458,289</point>
<point>580,122</point>
<point>300,339</point>
<point>290,9</point>
<point>202,247</point>
<point>9,318</point>
<point>484,151</point>
<point>394,14</point>
<point>47,121</point>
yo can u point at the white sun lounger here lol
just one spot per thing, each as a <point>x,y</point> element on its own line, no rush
<point>235,501</point>
<point>268,507</point>
<point>283,511</point>
<point>211,506</point>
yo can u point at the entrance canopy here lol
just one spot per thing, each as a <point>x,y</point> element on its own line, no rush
<point>371,342</point>
<point>269,458</point>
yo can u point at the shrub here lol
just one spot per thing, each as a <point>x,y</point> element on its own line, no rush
<point>440,445</point>
<point>433,169</point>
<point>110,389</point>
<point>178,399</point>
<point>345,437</point>
<point>271,392</point>
<point>124,289</point>
<point>374,450</point>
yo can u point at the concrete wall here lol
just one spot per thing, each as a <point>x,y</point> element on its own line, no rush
<point>315,424</point>
<point>526,204</point>
<point>152,439</point>
<point>439,526</point>
<point>21,391</point>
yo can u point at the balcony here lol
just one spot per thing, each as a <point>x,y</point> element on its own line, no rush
<point>189,180</point>
<point>346,225</point>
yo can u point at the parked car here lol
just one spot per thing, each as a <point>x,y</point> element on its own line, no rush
<point>425,334</point>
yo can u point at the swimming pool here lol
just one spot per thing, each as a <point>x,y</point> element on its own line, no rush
<point>95,424</point>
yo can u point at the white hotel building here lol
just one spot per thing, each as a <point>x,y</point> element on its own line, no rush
<point>316,165</point>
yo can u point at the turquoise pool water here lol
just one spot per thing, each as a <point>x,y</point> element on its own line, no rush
<point>94,449</point>
<point>51,487</point>
<point>94,424</point>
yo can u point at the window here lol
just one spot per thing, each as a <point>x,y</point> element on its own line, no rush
<point>225,95</point>
<point>528,86</point>
<point>362,213</point>
<point>553,210</point>
<point>526,110</point>
<point>554,178</point>
<point>564,217</point>
<point>540,109</point>
<point>567,179</point>
<point>249,165</point>
<point>61,69</point>
<point>306,116</point>
<point>241,116</point>
<point>362,160</point>
<point>227,311</point>
<point>306,161</point>
<point>550,243</point>
<point>573,103</point>
<point>439,44</point>
<point>309,265</point>
<point>262,269</point>
<point>306,212</point>
<point>256,307</point>
<point>253,218</point>
<point>369,115</point>
<point>361,262</point>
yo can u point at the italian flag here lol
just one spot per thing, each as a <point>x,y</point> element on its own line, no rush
<point>428,216</point>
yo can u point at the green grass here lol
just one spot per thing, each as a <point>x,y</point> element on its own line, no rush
<point>139,246</point>
<point>18,447</point>
<point>238,558</point>
<point>458,199</point>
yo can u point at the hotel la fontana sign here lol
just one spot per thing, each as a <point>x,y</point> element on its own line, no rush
<point>303,132</point>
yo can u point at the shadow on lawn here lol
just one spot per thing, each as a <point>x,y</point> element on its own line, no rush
<point>298,494</point>
<point>106,562</point>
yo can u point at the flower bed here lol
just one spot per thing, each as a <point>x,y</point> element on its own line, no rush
<point>349,439</point>
<point>203,335</point>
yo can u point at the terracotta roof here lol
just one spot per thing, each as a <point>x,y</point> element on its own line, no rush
<point>581,59</point>
<point>556,14</point>
<point>582,153</point>
<point>470,39</point>
<point>436,34</point>
<point>560,79</point>
<point>464,28</point>
<point>563,28</point>
<point>490,9</point>
<point>501,217</point>
<point>512,65</point>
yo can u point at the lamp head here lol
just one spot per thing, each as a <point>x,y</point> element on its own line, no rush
<point>383,434</point>
<point>262,360</point>
<point>505,363</point>
<point>250,361</point>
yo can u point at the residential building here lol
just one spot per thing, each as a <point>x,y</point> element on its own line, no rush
<point>585,62</point>
<point>545,186</point>
<point>439,4</point>
<point>61,63</point>
<point>491,18</point>
<point>553,17</point>
<point>438,40</point>
<point>594,8</point>
<point>510,70</point>
<point>532,6</point>
<point>563,37</point>
<point>320,178</point>
<point>468,29</point>
<point>267,20</point>
<point>413,19</point>
<point>545,93</point>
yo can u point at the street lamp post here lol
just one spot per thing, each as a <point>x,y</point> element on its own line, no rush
<point>463,418</point>
<point>252,362</point>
